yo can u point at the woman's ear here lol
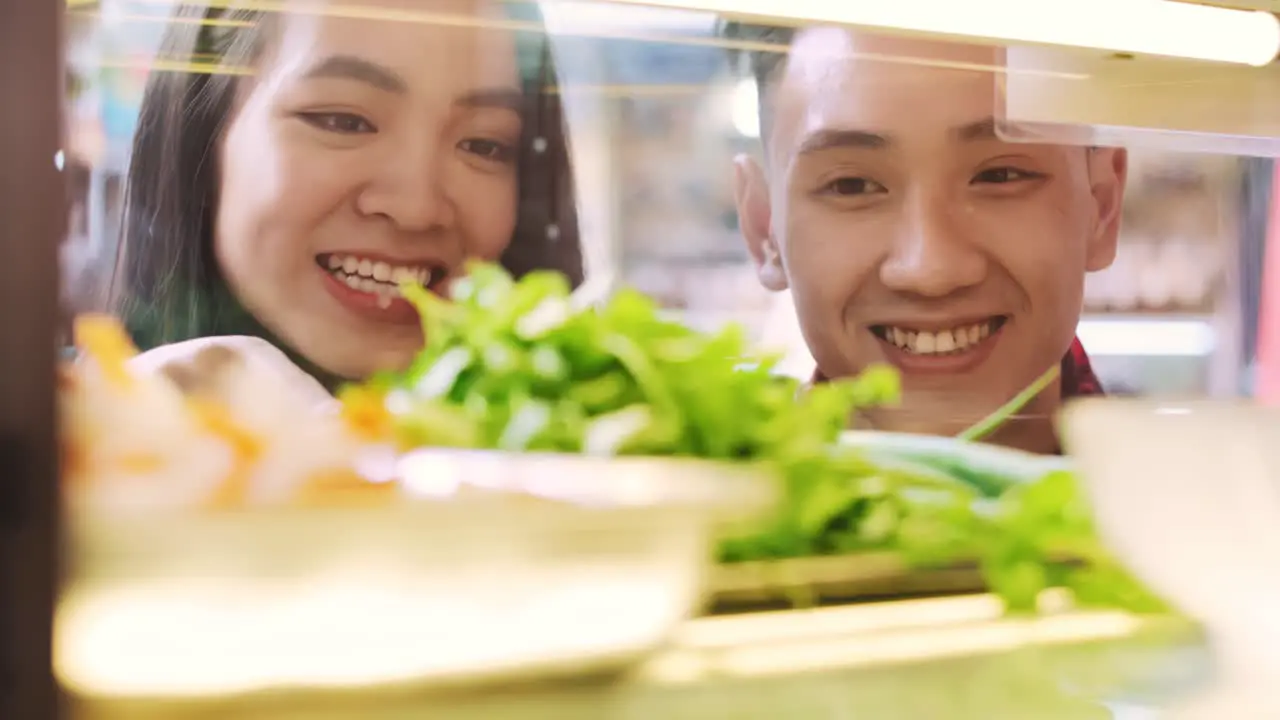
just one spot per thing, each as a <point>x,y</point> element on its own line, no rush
<point>755,221</point>
<point>1108,171</point>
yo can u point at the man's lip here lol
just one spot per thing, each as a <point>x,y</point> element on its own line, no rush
<point>941,364</point>
<point>938,324</point>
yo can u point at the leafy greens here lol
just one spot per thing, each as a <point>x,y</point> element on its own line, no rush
<point>520,366</point>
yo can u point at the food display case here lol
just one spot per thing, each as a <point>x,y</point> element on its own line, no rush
<point>588,491</point>
<point>33,197</point>
<point>914,659</point>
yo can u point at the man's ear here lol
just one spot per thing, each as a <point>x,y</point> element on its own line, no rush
<point>1108,171</point>
<point>755,220</point>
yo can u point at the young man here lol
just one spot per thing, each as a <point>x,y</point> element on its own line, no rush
<point>909,233</point>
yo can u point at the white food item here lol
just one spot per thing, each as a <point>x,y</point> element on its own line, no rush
<point>288,419</point>
<point>262,357</point>
<point>1156,283</point>
<point>278,402</point>
<point>1123,276</point>
<point>138,447</point>
<point>1194,265</point>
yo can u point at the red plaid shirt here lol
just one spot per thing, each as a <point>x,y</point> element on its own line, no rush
<point>1077,374</point>
<point>1078,379</point>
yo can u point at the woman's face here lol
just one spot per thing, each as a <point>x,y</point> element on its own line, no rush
<point>363,153</point>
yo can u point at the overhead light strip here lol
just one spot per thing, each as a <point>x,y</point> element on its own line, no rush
<point>1141,27</point>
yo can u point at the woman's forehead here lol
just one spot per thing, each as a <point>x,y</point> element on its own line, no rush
<point>422,42</point>
<point>407,12</point>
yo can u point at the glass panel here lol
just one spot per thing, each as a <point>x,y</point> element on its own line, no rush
<point>658,102</point>
<point>1099,98</point>
<point>276,210</point>
<point>31,203</point>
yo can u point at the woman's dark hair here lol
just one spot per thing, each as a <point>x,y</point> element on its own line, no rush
<point>167,285</point>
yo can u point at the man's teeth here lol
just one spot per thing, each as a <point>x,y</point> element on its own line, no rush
<point>379,278</point>
<point>955,340</point>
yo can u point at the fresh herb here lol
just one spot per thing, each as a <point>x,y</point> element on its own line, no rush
<point>519,366</point>
<point>1035,535</point>
<point>992,422</point>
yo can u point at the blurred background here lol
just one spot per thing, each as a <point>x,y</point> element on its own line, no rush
<point>656,115</point>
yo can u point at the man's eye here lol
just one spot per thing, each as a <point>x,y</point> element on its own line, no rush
<point>488,149</point>
<point>343,123</point>
<point>1003,175</point>
<point>853,186</point>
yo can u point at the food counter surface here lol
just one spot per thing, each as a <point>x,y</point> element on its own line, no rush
<point>936,659</point>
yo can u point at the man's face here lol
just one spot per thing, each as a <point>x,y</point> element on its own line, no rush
<point>909,233</point>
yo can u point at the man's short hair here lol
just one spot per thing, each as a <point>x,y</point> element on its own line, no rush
<point>760,51</point>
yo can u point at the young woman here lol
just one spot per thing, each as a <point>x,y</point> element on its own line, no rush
<point>313,158</point>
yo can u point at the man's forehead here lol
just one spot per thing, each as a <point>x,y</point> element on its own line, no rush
<point>838,77</point>
<point>814,47</point>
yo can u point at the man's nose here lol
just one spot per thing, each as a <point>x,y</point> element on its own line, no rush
<point>933,255</point>
<point>408,189</point>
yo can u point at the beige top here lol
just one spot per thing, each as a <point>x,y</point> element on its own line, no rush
<point>261,357</point>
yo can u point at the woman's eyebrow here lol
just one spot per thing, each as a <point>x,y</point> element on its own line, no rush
<point>497,98</point>
<point>350,67</point>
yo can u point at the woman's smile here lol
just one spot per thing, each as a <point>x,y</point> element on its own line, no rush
<point>370,285</point>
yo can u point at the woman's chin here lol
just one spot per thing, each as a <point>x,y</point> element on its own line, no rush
<point>358,360</point>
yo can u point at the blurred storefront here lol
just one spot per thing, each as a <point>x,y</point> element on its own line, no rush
<point>657,116</point>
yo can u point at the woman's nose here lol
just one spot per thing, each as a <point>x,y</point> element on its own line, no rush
<point>933,255</point>
<point>409,190</point>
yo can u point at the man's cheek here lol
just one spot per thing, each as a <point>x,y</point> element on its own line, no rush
<point>816,286</point>
<point>1053,284</point>
<point>826,318</point>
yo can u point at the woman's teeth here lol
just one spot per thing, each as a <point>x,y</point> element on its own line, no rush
<point>376,277</point>
<point>922,342</point>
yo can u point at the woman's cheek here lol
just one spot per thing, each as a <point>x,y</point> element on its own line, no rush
<point>489,210</point>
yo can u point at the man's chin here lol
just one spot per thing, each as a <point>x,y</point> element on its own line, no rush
<point>916,421</point>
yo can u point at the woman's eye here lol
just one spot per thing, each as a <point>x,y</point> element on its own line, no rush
<point>853,186</point>
<point>343,123</point>
<point>1003,175</point>
<point>488,149</point>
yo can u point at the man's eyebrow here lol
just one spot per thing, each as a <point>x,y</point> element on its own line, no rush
<point>823,140</point>
<point>979,130</point>
<point>350,67</point>
<point>984,129</point>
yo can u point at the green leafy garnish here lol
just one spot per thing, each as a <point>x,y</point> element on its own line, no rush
<point>519,366</point>
<point>992,422</point>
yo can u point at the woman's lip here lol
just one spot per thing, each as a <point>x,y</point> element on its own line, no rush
<point>422,262</point>
<point>368,305</point>
<point>952,363</point>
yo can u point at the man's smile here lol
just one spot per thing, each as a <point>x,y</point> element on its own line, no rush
<point>955,347</point>
<point>934,340</point>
